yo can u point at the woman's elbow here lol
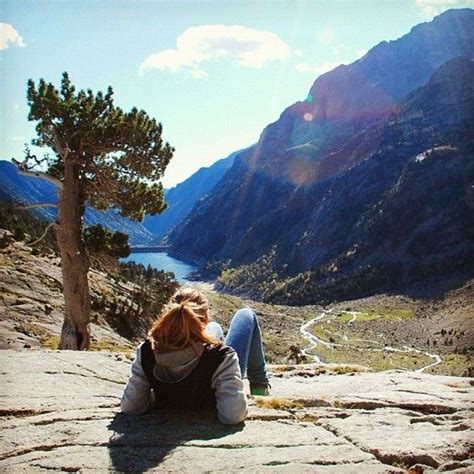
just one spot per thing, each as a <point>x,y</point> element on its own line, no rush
<point>128,408</point>
<point>233,417</point>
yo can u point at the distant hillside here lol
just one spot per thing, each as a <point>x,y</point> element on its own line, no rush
<point>182,198</point>
<point>358,189</point>
<point>31,190</point>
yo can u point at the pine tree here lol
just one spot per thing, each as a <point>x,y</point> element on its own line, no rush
<point>102,156</point>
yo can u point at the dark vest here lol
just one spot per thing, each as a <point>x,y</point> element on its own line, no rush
<point>194,392</point>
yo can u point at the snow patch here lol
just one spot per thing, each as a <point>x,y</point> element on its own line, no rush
<point>427,153</point>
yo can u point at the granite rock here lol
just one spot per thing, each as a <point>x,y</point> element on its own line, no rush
<point>60,411</point>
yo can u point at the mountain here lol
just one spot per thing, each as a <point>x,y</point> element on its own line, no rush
<point>182,198</point>
<point>31,190</point>
<point>302,146</point>
<point>333,190</point>
<point>402,215</point>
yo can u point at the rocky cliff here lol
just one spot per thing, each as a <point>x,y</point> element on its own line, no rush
<point>60,412</point>
<point>32,304</point>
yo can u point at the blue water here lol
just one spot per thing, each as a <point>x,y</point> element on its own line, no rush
<point>162,261</point>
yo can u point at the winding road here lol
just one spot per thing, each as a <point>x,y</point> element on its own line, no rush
<point>313,341</point>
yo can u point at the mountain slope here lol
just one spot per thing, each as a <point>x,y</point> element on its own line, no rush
<point>402,215</point>
<point>294,190</point>
<point>31,190</point>
<point>182,198</point>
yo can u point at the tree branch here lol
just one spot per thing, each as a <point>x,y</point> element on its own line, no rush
<point>44,234</point>
<point>23,170</point>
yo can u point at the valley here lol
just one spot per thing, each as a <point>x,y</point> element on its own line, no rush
<point>382,332</point>
<point>365,334</point>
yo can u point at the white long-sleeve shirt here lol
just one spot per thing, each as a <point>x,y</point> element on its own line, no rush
<point>231,400</point>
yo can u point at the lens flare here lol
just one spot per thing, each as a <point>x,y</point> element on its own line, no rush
<point>308,117</point>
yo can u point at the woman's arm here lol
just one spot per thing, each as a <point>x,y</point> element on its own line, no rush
<point>137,397</point>
<point>231,400</point>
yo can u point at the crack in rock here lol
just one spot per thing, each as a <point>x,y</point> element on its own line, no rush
<point>409,460</point>
<point>22,413</point>
<point>47,448</point>
<point>404,390</point>
<point>93,375</point>
<point>60,469</point>
<point>373,405</point>
<point>336,433</point>
<point>68,420</point>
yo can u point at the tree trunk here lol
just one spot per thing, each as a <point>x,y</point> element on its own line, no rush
<point>75,333</point>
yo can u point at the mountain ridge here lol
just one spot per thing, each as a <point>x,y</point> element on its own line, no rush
<point>248,213</point>
<point>183,197</point>
<point>344,237</point>
<point>32,190</point>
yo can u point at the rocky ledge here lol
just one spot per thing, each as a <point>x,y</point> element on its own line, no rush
<point>60,411</point>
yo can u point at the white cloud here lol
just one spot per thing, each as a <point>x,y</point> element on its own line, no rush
<point>326,35</point>
<point>19,138</point>
<point>306,68</point>
<point>245,46</point>
<point>431,8</point>
<point>8,35</point>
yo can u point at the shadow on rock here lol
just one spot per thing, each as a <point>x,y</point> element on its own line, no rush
<point>142,442</point>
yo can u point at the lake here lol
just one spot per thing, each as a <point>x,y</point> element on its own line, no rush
<point>162,261</point>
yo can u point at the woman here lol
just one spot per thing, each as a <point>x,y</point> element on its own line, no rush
<point>184,364</point>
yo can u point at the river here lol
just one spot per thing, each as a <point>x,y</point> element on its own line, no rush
<point>162,261</point>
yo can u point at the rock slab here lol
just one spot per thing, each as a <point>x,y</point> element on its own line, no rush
<point>60,411</point>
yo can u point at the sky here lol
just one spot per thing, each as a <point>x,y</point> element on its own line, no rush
<point>214,73</point>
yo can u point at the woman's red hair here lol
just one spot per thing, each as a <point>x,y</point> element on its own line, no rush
<point>182,323</point>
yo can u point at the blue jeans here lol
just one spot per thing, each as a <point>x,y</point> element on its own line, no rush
<point>245,338</point>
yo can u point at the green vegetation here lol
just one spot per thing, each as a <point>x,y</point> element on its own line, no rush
<point>453,364</point>
<point>351,339</point>
<point>47,339</point>
<point>23,225</point>
<point>132,310</point>
<point>156,286</point>
<point>223,306</point>
<point>50,340</point>
<point>371,315</point>
<point>258,279</point>
<point>110,346</point>
<point>280,324</point>
<point>345,330</point>
<point>376,360</point>
<point>101,240</point>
